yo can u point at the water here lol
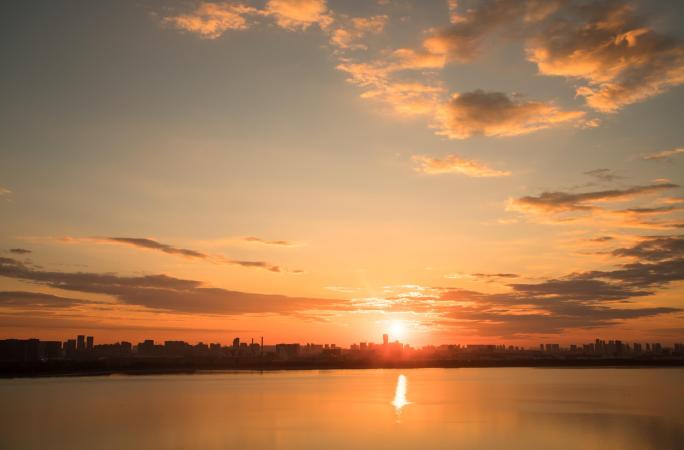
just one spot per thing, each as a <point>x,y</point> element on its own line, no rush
<point>526,409</point>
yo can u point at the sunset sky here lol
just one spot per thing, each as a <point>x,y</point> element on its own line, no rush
<point>448,171</point>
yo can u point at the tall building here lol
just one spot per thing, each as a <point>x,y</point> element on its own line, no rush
<point>52,349</point>
<point>80,343</point>
<point>236,343</point>
<point>90,341</point>
<point>146,348</point>
<point>385,339</point>
<point>287,351</point>
<point>69,347</point>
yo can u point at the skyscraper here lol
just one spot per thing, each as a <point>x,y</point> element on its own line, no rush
<point>80,343</point>
<point>90,341</point>
<point>385,339</point>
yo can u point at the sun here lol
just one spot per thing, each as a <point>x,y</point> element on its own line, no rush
<point>397,330</point>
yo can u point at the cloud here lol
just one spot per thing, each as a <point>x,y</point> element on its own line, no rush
<point>275,242</point>
<point>211,20</point>
<point>259,265</point>
<point>495,275</point>
<point>36,300</point>
<point>4,191</point>
<point>454,16</point>
<point>655,249</point>
<point>463,41</point>
<point>19,251</point>
<point>162,292</point>
<point>610,53</point>
<point>602,239</point>
<point>39,320</point>
<point>154,245</point>
<point>616,57</point>
<point>606,45</point>
<point>299,14</point>
<point>481,113</point>
<point>589,208</point>
<point>349,36</point>
<point>604,175</point>
<point>456,164</point>
<point>665,154</point>
<point>580,300</point>
<point>405,97</point>
<point>565,201</point>
<point>409,59</point>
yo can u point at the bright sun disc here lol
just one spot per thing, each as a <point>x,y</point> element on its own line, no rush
<point>397,330</point>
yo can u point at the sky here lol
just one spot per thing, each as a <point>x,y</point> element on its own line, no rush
<point>493,171</point>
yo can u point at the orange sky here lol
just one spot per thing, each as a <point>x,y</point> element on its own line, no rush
<point>312,171</point>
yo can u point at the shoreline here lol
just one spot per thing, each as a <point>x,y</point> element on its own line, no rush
<point>141,368</point>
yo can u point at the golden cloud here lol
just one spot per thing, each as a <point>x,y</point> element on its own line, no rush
<point>558,207</point>
<point>348,36</point>
<point>481,113</point>
<point>665,154</point>
<point>406,98</point>
<point>299,14</point>
<point>622,60</point>
<point>211,20</point>
<point>456,164</point>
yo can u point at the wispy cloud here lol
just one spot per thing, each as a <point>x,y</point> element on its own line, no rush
<point>579,300</point>
<point>273,242</point>
<point>36,300</point>
<point>601,239</point>
<point>495,275</point>
<point>350,35</point>
<point>656,248</point>
<point>665,154</point>
<point>211,20</point>
<point>583,201</point>
<point>151,244</point>
<point>590,208</point>
<point>604,175</point>
<point>4,191</point>
<point>20,251</point>
<point>299,14</point>
<point>456,164</point>
<point>154,245</point>
<point>163,292</point>
<point>405,97</point>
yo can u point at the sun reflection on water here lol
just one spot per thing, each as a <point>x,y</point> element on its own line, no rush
<point>399,401</point>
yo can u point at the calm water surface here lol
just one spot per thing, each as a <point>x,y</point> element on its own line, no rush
<point>526,409</point>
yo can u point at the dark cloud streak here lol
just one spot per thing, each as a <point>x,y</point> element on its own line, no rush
<point>162,292</point>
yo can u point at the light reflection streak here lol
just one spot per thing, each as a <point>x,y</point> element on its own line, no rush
<point>400,400</point>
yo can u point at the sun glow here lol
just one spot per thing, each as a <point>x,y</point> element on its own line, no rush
<point>397,330</point>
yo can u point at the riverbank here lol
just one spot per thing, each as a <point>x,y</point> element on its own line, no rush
<point>165,366</point>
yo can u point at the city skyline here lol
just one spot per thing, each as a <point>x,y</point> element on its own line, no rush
<point>85,343</point>
<point>82,356</point>
<point>308,170</point>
